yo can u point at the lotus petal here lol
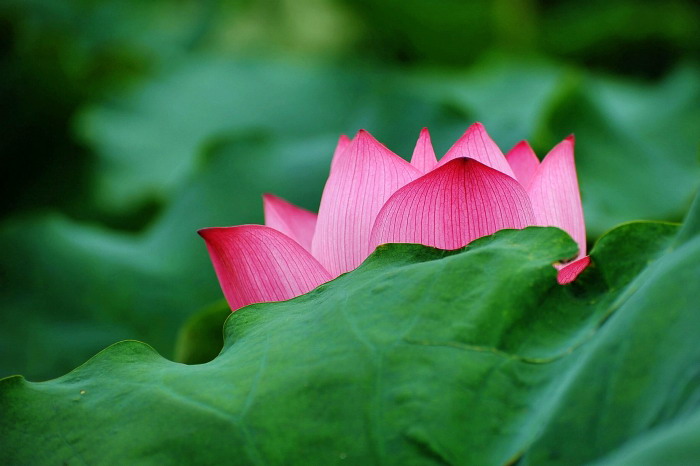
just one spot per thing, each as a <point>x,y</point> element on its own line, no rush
<point>364,177</point>
<point>256,264</point>
<point>424,155</point>
<point>555,195</point>
<point>453,205</point>
<point>570,271</point>
<point>343,143</point>
<point>476,143</point>
<point>295,222</point>
<point>523,162</point>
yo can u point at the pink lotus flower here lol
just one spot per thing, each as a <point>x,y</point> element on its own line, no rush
<point>373,196</point>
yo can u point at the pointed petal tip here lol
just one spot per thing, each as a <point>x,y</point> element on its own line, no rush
<point>572,270</point>
<point>423,157</point>
<point>564,149</point>
<point>292,220</point>
<point>269,198</point>
<point>523,161</point>
<point>476,127</point>
<point>207,232</point>
<point>424,135</point>
<point>365,136</point>
<point>478,144</point>
<point>210,232</point>
<point>568,142</point>
<point>522,144</point>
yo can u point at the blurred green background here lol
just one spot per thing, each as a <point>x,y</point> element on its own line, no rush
<point>128,125</point>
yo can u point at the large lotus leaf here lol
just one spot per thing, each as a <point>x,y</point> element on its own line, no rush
<point>639,377</point>
<point>420,356</point>
<point>675,444</point>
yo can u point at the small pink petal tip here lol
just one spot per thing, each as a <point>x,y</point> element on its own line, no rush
<point>476,143</point>
<point>524,162</point>
<point>571,271</point>
<point>295,222</point>
<point>424,158</point>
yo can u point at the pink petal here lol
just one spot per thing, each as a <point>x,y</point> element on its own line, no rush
<point>343,143</point>
<point>570,271</point>
<point>524,162</point>
<point>358,186</point>
<point>257,264</point>
<point>555,195</point>
<point>424,155</point>
<point>475,143</point>
<point>453,205</point>
<point>295,222</point>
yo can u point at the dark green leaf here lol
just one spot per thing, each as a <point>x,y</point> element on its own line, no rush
<point>418,357</point>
